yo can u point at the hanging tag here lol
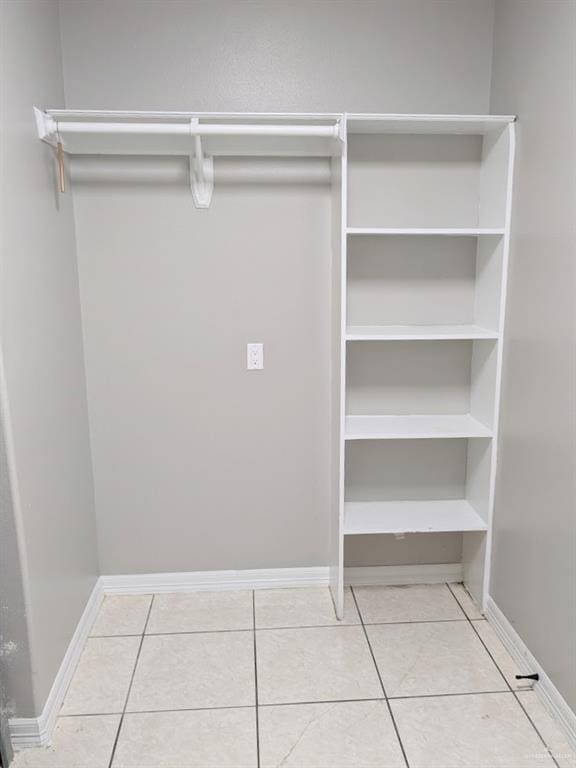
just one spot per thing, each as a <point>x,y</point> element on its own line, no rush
<point>60,158</point>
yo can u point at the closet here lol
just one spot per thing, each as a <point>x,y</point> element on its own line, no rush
<point>420,228</point>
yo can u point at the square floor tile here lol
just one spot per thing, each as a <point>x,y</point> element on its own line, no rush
<point>352,734</point>
<point>318,664</point>
<point>191,671</point>
<point>423,659</point>
<point>122,615</point>
<point>466,601</point>
<point>102,677</point>
<point>201,612</point>
<point>209,738</point>
<point>313,607</point>
<point>549,729</point>
<point>500,655</point>
<point>486,731</point>
<point>77,742</point>
<point>416,602</point>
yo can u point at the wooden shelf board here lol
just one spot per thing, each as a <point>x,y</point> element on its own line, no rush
<point>417,332</point>
<point>444,516</point>
<point>414,427</point>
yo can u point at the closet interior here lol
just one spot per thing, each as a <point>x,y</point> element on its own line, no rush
<point>420,218</point>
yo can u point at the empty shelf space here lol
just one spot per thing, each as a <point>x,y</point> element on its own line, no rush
<point>444,231</point>
<point>411,124</point>
<point>417,332</point>
<point>414,427</point>
<point>442,516</point>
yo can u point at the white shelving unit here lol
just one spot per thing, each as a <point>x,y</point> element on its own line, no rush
<point>421,210</point>
<point>423,249</point>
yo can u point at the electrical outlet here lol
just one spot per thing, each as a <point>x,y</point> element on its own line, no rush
<point>255,357</point>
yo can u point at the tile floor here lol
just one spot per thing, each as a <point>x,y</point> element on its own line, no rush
<point>414,676</point>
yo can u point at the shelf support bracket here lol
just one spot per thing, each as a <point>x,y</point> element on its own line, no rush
<point>201,171</point>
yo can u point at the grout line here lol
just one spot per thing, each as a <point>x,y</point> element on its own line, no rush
<point>288,704</point>
<point>130,684</point>
<point>340,625</point>
<point>381,681</point>
<point>256,678</point>
<point>512,690</point>
<point>160,711</point>
<point>444,695</point>
<point>458,603</point>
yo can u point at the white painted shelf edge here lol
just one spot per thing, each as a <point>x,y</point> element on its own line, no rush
<point>428,516</point>
<point>443,231</point>
<point>362,123</point>
<point>418,332</point>
<point>414,427</point>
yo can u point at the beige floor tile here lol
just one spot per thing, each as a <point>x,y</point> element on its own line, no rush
<point>501,656</point>
<point>318,664</point>
<point>313,607</point>
<point>417,602</point>
<point>77,742</point>
<point>466,601</point>
<point>485,731</point>
<point>357,734</point>
<point>209,738</point>
<point>201,612</point>
<point>102,677</point>
<point>196,670</point>
<point>549,729</point>
<point>122,615</point>
<point>433,658</point>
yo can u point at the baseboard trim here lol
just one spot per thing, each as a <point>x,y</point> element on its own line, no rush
<point>37,731</point>
<point>397,575</point>
<point>216,581</point>
<point>550,696</point>
<point>273,578</point>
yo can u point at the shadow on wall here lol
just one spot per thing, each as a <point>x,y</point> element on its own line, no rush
<point>137,171</point>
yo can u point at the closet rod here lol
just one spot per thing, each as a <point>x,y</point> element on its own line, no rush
<point>196,129</point>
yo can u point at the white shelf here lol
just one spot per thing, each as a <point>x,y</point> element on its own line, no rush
<point>417,332</point>
<point>414,427</point>
<point>444,231</point>
<point>447,124</point>
<point>445,516</point>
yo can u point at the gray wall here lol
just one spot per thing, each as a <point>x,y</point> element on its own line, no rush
<point>534,560</point>
<point>40,330</point>
<point>285,55</point>
<point>214,467</point>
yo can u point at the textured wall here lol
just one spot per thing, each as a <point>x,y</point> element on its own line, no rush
<point>51,507</point>
<point>534,559</point>
<point>199,464</point>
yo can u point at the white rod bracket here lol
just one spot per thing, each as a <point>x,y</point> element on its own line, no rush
<point>201,171</point>
<point>46,126</point>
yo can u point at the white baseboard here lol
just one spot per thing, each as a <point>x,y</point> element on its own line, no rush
<point>272,578</point>
<point>215,581</point>
<point>550,696</point>
<point>397,575</point>
<point>37,731</point>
